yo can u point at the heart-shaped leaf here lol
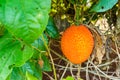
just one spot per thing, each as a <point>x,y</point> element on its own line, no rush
<point>12,53</point>
<point>25,19</point>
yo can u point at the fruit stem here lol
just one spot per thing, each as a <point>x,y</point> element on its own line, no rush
<point>77,7</point>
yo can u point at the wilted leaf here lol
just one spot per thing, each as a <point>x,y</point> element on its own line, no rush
<point>100,51</point>
<point>103,5</point>
<point>118,21</point>
<point>41,63</point>
<point>117,69</point>
<point>99,46</point>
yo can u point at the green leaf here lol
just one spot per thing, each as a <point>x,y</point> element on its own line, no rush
<point>39,43</point>
<point>25,19</point>
<point>33,69</point>
<point>51,29</point>
<point>19,73</point>
<point>103,5</point>
<point>72,1</point>
<point>30,77</point>
<point>46,64</point>
<point>12,53</point>
<point>69,78</point>
<point>2,30</point>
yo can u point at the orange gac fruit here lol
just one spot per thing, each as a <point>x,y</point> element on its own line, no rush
<point>77,43</point>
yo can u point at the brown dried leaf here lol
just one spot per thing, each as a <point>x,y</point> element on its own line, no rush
<point>40,62</point>
<point>118,21</point>
<point>99,45</point>
<point>100,51</point>
<point>118,69</point>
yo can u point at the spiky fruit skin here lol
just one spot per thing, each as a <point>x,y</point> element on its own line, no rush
<point>77,43</point>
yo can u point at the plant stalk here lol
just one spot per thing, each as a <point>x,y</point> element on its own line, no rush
<point>54,70</point>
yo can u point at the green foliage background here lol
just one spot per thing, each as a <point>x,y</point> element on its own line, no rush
<point>23,21</point>
<point>25,28</point>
